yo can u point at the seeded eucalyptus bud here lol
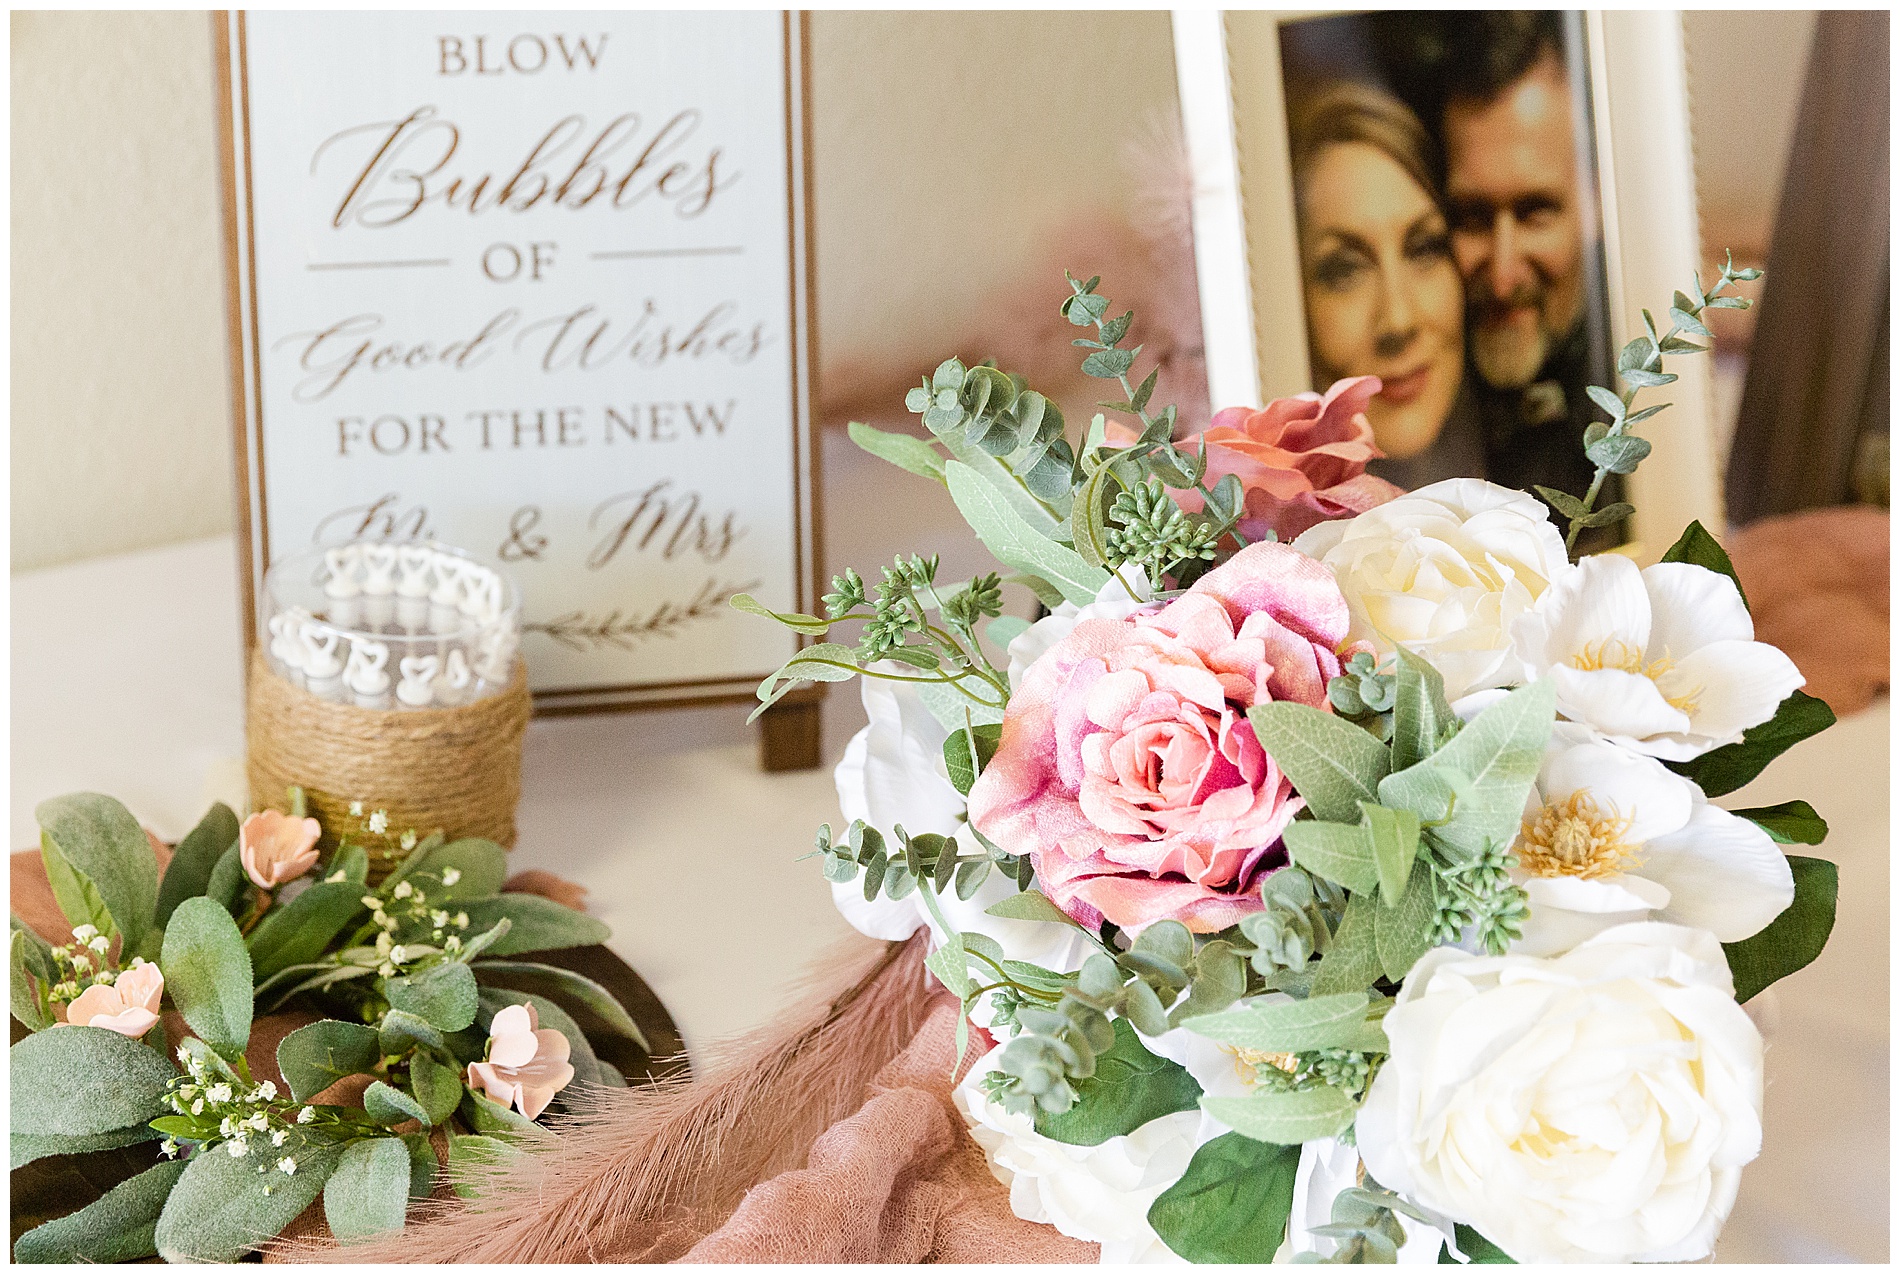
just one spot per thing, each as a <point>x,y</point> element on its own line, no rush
<point>1293,928</point>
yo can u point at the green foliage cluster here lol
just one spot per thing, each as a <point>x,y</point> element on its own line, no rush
<point>407,973</point>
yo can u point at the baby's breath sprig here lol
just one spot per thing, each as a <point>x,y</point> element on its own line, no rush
<point>214,1104</point>
<point>80,964</point>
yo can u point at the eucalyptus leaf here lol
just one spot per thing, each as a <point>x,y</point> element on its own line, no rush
<point>497,1120</point>
<point>1493,759</point>
<point>313,1057</point>
<point>78,897</point>
<point>101,841</point>
<point>389,1105</point>
<point>812,625</point>
<point>902,450</point>
<point>1285,1118</point>
<point>1333,764</point>
<point>1340,852</point>
<point>957,754</point>
<point>368,1194</point>
<point>1017,543</point>
<point>436,1087</point>
<point>1028,905</point>
<point>189,872</point>
<point>208,974</point>
<point>1394,838</point>
<point>1231,1205</point>
<point>1404,933</point>
<point>401,1031</point>
<point>222,1207</point>
<point>1420,714</point>
<point>1351,962</point>
<point>1288,1026</point>
<point>826,661</point>
<point>554,981</point>
<point>470,1155</point>
<point>117,1226</point>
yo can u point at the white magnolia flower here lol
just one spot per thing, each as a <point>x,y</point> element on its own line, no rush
<point>1445,572</point>
<point>1598,1106</point>
<point>1663,660</point>
<point>1115,600</point>
<point>1100,1194</point>
<point>892,773</point>
<point>1611,836</point>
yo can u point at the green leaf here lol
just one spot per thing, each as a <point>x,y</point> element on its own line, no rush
<point>1794,938</point>
<point>437,1088</point>
<point>808,624</point>
<point>826,661</point>
<point>299,931</point>
<point>1720,772</point>
<point>1479,780</point>
<point>1790,823</point>
<point>402,1031</point>
<point>1643,378</point>
<point>1562,501</point>
<point>1231,1205</point>
<point>1480,1250</point>
<point>1030,904</point>
<point>1404,933</point>
<point>1130,1087</point>
<point>1006,628</point>
<point>1285,1118</point>
<point>550,979</point>
<point>227,881</point>
<point>1686,321</point>
<point>1337,851</point>
<point>1016,543</point>
<point>902,450</point>
<point>389,1105</point>
<point>444,996</point>
<point>101,841</point>
<point>223,1207</point>
<point>1107,364</point>
<point>118,1226</point>
<point>1290,1026</point>
<point>1420,714</point>
<point>25,999</point>
<point>23,1148</point>
<point>1698,548</point>
<point>951,967</point>
<point>535,924</point>
<point>1333,763</point>
<point>962,766</point>
<point>1606,399</point>
<point>313,1057</point>
<point>79,899</point>
<point>1351,962</point>
<point>482,863</point>
<point>469,1155</point>
<point>1608,515</point>
<point>369,1191</point>
<point>1619,453</point>
<point>422,1165</point>
<point>1394,837</point>
<point>495,1119</point>
<point>208,973</point>
<point>189,871</point>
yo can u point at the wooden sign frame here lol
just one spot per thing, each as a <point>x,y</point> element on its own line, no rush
<point>791,726</point>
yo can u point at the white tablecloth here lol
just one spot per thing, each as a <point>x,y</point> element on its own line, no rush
<point>126,680</point>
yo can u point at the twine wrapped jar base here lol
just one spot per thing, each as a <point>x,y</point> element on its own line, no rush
<point>453,770</point>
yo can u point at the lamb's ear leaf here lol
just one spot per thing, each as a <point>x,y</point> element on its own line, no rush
<point>208,974</point>
<point>188,875</point>
<point>1794,938</point>
<point>223,1207</point>
<point>118,1226</point>
<point>100,840</point>
<point>369,1191</point>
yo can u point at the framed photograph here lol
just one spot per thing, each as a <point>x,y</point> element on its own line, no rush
<point>535,284</point>
<point>1473,206</point>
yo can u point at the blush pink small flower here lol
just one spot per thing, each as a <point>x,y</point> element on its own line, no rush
<point>276,848</point>
<point>526,1065</point>
<point>1127,768</point>
<point>1300,460</point>
<point>129,1006</point>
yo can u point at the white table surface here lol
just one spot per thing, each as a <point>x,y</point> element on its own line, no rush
<point>126,680</point>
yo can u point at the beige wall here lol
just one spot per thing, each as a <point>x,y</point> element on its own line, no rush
<point>947,146</point>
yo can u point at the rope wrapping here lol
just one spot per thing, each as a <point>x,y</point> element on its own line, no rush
<point>454,770</point>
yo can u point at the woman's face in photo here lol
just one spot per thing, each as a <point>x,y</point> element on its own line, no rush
<point>1383,297</point>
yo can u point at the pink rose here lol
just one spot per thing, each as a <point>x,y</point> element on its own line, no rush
<point>526,1065</point>
<point>276,848</point>
<point>129,1006</point>
<point>1127,767</point>
<point>1300,460</point>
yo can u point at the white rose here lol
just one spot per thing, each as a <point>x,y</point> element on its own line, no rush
<point>1662,660</point>
<point>893,773</point>
<point>1611,836</point>
<point>1598,1106</point>
<point>1115,600</point>
<point>1445,572</point>
<point>1099,1194</point>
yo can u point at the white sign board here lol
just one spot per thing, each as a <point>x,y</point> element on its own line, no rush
<point>534,284</point>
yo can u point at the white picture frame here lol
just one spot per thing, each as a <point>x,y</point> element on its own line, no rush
<point>1246,246</point>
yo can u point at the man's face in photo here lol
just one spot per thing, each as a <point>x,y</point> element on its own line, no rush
<point>1516,227</point>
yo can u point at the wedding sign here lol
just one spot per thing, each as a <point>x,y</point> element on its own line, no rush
<point>534,284</point>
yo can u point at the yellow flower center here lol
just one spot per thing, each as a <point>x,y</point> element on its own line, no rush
<point>1575,838</point>
<point>1615,653</point>
<point>1247,1059</point>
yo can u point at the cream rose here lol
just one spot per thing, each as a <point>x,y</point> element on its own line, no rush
<point>1598,1106</point>
<point>1445,571</point>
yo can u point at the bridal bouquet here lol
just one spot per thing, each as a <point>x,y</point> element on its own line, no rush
<point>1332,872</point>
<point>411,1022</point>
